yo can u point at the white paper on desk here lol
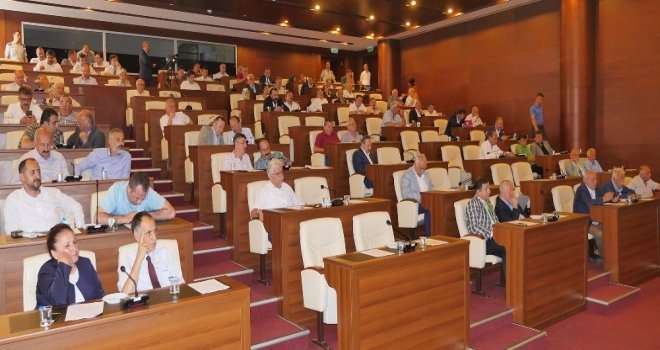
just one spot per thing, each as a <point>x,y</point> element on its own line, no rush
<point>450,190</point>
<point>522,223</point>
<point>298,208</point>
<point>433,242</point>
<point>356,201</point>
<point>208,286</point>
<point>377,253</point>
<point>82,311</point>
<point>617,203</point>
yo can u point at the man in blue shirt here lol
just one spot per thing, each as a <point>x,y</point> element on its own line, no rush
<point>113,160</point>
<point>591,163</point>
<point>536,116</point>
<point>126,198</point>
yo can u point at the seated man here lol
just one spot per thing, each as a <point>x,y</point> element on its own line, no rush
<point>348,93</point>
<point>589,194</point>
<point>190,83</point>
<point>616,185</point>
<point>642,183</point>
<point>392,116</point>
<point>55,95</point>
<point>71,60</point>
<point>351,134</point>
<point>327,136</point>
<point>273,101</point>
<point>499,127</point>
<point>114,67</point>
<point>49,64</point>
<point>372,108</point>
<point>506,205</point>
<point>113,160</point>
<point>238,159</point>
<point>95,59</point>
<point>85,78</point>
<point>212,134</point>
<point>33,208</point>
<point>522,148</point>
<point>237,128</point>
<point>87,135</point>
<point>316,103</point>
<point>267,155</point>
<point>431,112</point>
<point>51,162</point>
<point>474,118</point>
<point>357,107</point>
<point>49,122</point>
<point>24,111</point>
<point>276,193</point>
<point>222,73</point>
<point>416,180</point>
<point>573,166</point>
<point>480,218</point>
<point>455,121</point>
<point>140,88</point>
<point>124,199</point>
<point>362,157</point>
<point>591,163</point>
<point>66,114</point>
<point>150,264</point>
<point>172,116</point>
<point>205,75</point>
<point>289,104</point>
<point>394,96</point>
<point>416,113</point>
<point>19,80</point>
<point>252,87</point>
<point>540,147</point>
<point>266,79</point>
<point>489,148</point>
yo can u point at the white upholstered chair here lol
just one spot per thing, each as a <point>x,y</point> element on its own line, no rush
<point>522,171</point>
<point>258,236</point>
<point>439,178</point>
<point>218,194</point>
<point>283,124</point>
<point>372,230</point>
<point>477,135</point>
<point>373,127</point>
<point>309,190</point>
<point>191,138</point>
<point>388,155</point>
<point>317,159</point>
<point>407,210</point>
<point>501,172</point>
<point>471,152</point>
<point>342,115</point>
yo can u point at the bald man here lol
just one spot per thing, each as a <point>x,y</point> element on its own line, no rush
<point>507,207</point>
<point>414,181</point>
<point>642,183</point>
<point>87,135</point>
<point>591,163</point>
<point>574,167</point>
<point>51,162</point>
<point>19,80</point>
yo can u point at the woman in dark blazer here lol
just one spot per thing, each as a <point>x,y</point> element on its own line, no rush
<point>66,278</point>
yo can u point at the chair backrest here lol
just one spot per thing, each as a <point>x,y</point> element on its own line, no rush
<point>233,100</point>
<point>170,244</point>
<point>253,188</point>
<point>410,140</point>
<point>196,106</point>
<point>191,138</point>
<point>373,125</point>
<point>31,267</point>
<point>439,178</point>
<point>257,109</point>
<point>312,138</point>
<point>471,152</point>
<point>67,134</point>
<point>522,171</point>
<point>513,147</point>
<point>130,93</point>
<point>342,115</point>
<point>501,172</point>
<point>154,105</point>
<point>349,161</point>
<point>14,138</point>
<point>9,99</point>
<point>575,187</point>
<point>406,116</point>
<point>232,82</point>
<point>205,119</point>
<point>376,96</point>
<point>382,106</point>
<point>370,230</point>
<point>168,93</point>
<point>562,198</point>
<point>93,204</point>
<point>627,180</point>
<point>441,124</point>
<point>388,155</point>
<point>460,208</point>
<point>53,79</point>
<point>321,238</point>
<point>7,76</point>
<point>309,190</point>
<point>314,121</point>
<point>452,155</point>
<point>477,135</point>
<point>283,124</point>
<point>398,175</point>
<point>562,165</point>
<point>216,165</point>
<point>215,87</point>
<point>430,135</point>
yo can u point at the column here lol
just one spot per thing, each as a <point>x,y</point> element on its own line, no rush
<point>389,65</point>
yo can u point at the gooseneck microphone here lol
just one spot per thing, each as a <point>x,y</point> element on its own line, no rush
<point>137,300</point>
<point>123,269</point>
<point>324,187</point>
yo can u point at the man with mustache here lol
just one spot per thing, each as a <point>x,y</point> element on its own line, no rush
<point>51,162</point>
<point>114,160</point>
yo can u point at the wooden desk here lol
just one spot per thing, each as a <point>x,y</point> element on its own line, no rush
<point>480,168</point>
<point>606,176</point>
<point>378,301</point>
<point>247,110</point>
<point>201,157</point>
<point>361,120</point>
<point>111,101</point>
<point>441,206</point>
<point>302,150</point>
<point>433,149</point>
<point>214,99</point>
<point>331,110</point>
<point>284,227</point>
<point>105,245</point>
<point>546,277</point>
<point>630,240</point>
<point>430,120</point>
<point>550,163</point>
<point>393,133</point>
<point>381,175</point>
<point>7,156</point>
<point>540,192</point>
<point>271,127</point>
<point>228,311</point>
<point>336,156</point>
<point>463,133</point>
<point>238,216</point>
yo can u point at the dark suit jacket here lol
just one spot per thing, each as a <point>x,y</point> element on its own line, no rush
<point>145,65</point>
<point>255,89</point>
<point>304,88</point>
<point>453,123</point>
<point>53,287</point>
<point>583,200</point>
<point>503,212</point>
<point>268,102</point>
<point>360,162</point>
<point>262,80</point>
<point>414,116</point>
<point>96,139</point>
<point>609,187</point>
<point>500,133</point>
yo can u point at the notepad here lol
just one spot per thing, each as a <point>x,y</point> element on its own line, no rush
<point>617,203</point>
<point>356,201</point>
<point>522,223</point>
<point>433,242</point>
<point>377,253</point>
<point>208,286</point>
<point>76,312</point>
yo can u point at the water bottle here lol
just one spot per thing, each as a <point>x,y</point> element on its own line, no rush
<point>104,174</point>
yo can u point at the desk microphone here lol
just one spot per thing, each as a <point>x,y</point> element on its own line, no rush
<point>408,246</point>
<point>136,300</point>
<point>97,227</point>
<point>123,269</point>
<point>337,202</point>
<point>324,187</point>
<point>389,223</point>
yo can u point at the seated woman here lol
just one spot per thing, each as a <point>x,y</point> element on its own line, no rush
<point>66,278</point>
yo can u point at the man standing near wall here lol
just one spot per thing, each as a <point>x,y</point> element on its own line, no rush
<point>536,116</point>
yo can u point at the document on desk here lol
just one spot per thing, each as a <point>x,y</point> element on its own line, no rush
<point>433,242</point>
<point>523,223</point>
<point>208,286</point>
<point>356,201</point>
<point>77,312</point>
<point>377,253</point>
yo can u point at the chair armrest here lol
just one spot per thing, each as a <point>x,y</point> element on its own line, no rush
<point>407,213</point>
<point>314,289</point>
<point>218,199</point>
<point>258,237</point>
<point>356,185</point>
<point>477,250</point>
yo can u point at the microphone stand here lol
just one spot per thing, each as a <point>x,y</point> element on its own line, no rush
<point>409,246</point>
<point>97,228</point>
<point>137,300</point>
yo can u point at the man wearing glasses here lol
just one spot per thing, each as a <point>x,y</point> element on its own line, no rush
<point>276,193</point>
<point>23,111</point>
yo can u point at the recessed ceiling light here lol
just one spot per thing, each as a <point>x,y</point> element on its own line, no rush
<point>372,17</point>
<point>338,29</point>
<point>317,7</point>
<point>407,24</point>
<point>450,11</point>
<point>413,3</point>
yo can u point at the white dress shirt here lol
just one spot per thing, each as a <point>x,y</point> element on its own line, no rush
<point>200,78</point>
<point>14,112</point>
<point>353,108</point>
<point>271,197</point>
<point>163,264</point>
<point>82,81</point>
<point>30,214</point>
<point>228,136</point>
<point>643,189</point>
<point>179,118</point>
<point>474,119</point>
<point>316,104</point>
<point>293,106</point>
<point>185,85</point>
<point>110,69</point>
<point>365,78</point>
<point>50,168</point>
<point>220,75</point>
<point>432,114</point>
<point>54,68</point>
<point>421,183</point>
<point>77,68</point>
<point>232,163</point>
<point>488,151</point>
<point>10,87</point>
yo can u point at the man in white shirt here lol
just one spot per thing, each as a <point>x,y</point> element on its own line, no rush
<point>85,78</point>
<point>237,128</point>
<point>25,110</point>
<point>431,112</point>
<point>51,162</point>
<point>33,208</point>
<point>414,181</point>
<point>49,65</point>
<point>205,75</point>
<point>189,83</point>
<point>642,183</point>
<point>41,55</point>
<point>98,61</point>
<point>71,60</point>
<point>19,80</point>
<point>238,159</point>
<point>316,103</point>
<point>222,73</point>
<point>114,67</point>
<point>591,163</point>
<point>276,193</point>
<point>489,148</point>
<point>365,78</point>
<point>150,264</point>
<point>172,117</point>
<point>392,116</point>
<point>87,55</point>
<point>474,118</point>
<point>289,104</point>
<point>357,107</point>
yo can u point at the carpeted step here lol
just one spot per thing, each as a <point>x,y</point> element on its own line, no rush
<point>163,185</point>
<point>130,143</point>
<point>259,293</point>
<point>175,198</point>
<point>187,212</point>
<point>140,162</point>
<point>270,331</point>
<point>151,172</point>
<point>597,276</point>
<point>136,152</point>
<point>216,264</point>
<point>203,231</point>
<point>607,298</point>
<point>510,336</point>
<point>205,246</point>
